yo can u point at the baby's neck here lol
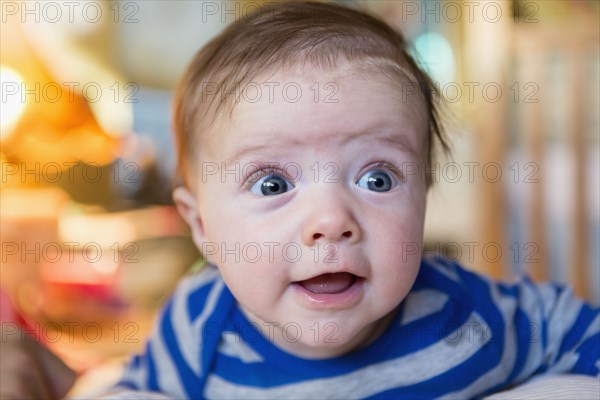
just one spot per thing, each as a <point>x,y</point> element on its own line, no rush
<point>364,338</point>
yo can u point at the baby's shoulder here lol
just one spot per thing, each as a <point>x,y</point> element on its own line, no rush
<point>454,282</point>
<point>204,279</point>
<point>199,293</point>
<point>445,274</point>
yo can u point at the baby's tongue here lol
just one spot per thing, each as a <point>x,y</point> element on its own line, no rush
<point>329,283</point>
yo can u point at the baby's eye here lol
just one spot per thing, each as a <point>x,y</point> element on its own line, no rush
<point>270,185</point>
<point>377,180</point>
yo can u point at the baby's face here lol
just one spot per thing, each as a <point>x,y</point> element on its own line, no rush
<point>303,207</point>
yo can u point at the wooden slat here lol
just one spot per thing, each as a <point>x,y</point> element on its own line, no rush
<point>530,47</point>
<point>578,120</point>
<point>534,130</point>
<point>489,63</point>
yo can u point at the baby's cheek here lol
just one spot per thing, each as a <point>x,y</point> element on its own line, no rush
<point>405,230</point>
<point>399,254</point>
<point>249,293</point>
<point>394,283</point>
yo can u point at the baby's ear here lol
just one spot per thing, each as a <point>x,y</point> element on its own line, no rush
<point>188,209</point>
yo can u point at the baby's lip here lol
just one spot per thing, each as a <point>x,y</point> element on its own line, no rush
<point>352,271</point>
<point>330,283</point>
<point>330,290</point>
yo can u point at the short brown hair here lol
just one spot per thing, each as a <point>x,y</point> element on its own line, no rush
<point>273,37</point>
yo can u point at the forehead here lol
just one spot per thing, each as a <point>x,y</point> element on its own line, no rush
<point>299,106</point>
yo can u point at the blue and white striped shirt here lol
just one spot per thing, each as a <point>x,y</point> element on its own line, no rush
<point>457,335</point>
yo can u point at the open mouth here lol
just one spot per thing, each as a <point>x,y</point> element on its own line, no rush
<point>339,290</point>
<point>331,283</point>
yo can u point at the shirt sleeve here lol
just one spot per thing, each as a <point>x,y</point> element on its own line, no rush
<point>181,346</point>
<point>547,327</point>
<point>569,329</point>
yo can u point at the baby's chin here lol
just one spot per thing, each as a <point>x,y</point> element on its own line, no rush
<point>334,339</point>
<point>324,349</point>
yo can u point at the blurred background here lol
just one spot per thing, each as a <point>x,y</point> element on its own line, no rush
<point>91,243</point>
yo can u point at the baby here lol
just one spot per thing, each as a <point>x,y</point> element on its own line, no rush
<point>304,135</point>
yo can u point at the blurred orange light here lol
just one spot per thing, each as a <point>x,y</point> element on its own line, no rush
<point>11,107</point>
<point>43,119</point>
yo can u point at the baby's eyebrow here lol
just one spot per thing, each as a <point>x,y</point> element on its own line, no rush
<point>396,140</point>
<point>240,153</point>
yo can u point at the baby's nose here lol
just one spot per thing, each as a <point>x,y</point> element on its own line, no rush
<point>330,221</point>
